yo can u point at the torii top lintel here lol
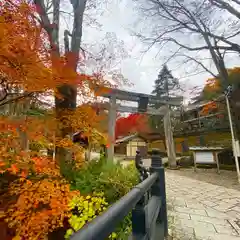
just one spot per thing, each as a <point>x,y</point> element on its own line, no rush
<point>135,97</point>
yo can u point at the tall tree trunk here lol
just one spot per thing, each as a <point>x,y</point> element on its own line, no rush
<point>68,100</point>
<point>69,92</point>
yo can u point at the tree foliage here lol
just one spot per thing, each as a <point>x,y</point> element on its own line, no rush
<point>41,207</point>
<point>165,86</point>
<point>29,72</point>
<point>134,123</point>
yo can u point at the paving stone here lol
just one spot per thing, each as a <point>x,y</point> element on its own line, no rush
<point>190,210</point>
<point>236,208</point>
<point>232,201</point>
<point>209,203</point>
<point>226,230</point>
<point>219,221</point>
<point>196,224</point>
<point>222,207</point>
<point>194,205</point>
<point>182,234</point>
<point>200,234</point>
<point>209,208</point>
<point>179,215</point>
<point>180,202</point>
<point>234,214</point>
<point>216,214</point>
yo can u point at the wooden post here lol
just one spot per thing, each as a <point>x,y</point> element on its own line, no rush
<point>169,140</point>
<point>112,114</point>
<point>195,163</point>
<point>217,162</point>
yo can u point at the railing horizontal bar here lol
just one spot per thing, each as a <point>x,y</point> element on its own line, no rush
<point>147,183</point>
<point>102,226</point>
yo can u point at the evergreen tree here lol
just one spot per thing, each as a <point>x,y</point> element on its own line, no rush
<point>165,86</point>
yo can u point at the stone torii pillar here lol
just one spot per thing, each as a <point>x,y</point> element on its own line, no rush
<point>171,153</point>
<point>111,126</point>
<point>143,101</point>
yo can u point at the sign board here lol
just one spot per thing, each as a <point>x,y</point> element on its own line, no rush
<point>236,148</point>
<point>204,157</point>
<point>235,107</point>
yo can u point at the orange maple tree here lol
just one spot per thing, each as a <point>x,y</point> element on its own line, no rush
<point>41,193</point>
<point>214,88</point>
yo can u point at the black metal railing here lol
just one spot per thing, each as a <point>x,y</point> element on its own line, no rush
<point>147,201</point>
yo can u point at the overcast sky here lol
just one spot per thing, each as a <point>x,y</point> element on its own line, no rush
<point>141,69</point>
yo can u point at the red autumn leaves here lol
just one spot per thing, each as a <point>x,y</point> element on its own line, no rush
<point>131,124</point>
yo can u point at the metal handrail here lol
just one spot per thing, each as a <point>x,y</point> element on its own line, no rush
<point>146,214</point>
<point>102,226</point>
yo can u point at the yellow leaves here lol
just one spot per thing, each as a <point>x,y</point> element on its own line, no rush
<point>87,207</point>
<point>235,70</point>
<point>2,214</point>
<point>17,238</point>
<point>64,142</point>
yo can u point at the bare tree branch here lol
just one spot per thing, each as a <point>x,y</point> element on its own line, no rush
<point>226,6</point>
<point>45,22</point>
<point>199,63</point>
<point>174,10</point>
<point>18,98</point>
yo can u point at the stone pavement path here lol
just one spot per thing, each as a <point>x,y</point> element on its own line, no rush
<point>200,210</point>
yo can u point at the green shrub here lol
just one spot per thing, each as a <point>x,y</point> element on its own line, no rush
<point>113,180</point>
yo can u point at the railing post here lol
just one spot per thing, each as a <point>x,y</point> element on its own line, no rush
<point>159,189</point>
<point>139,220</point>
<point>138,213</point>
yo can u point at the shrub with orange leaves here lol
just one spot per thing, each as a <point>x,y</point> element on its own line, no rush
<point>41,192</point>
<point>41,207</point>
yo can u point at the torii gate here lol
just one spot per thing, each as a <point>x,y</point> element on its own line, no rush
<point>143,101</point>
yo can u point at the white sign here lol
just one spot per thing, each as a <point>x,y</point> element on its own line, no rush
<point>204,157</point>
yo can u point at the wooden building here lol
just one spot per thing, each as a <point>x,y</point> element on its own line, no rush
<point>128,146</point>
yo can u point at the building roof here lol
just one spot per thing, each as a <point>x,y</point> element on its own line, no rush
<point>199,148</point>
<point>127,138</point>
<point>195,106</point>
